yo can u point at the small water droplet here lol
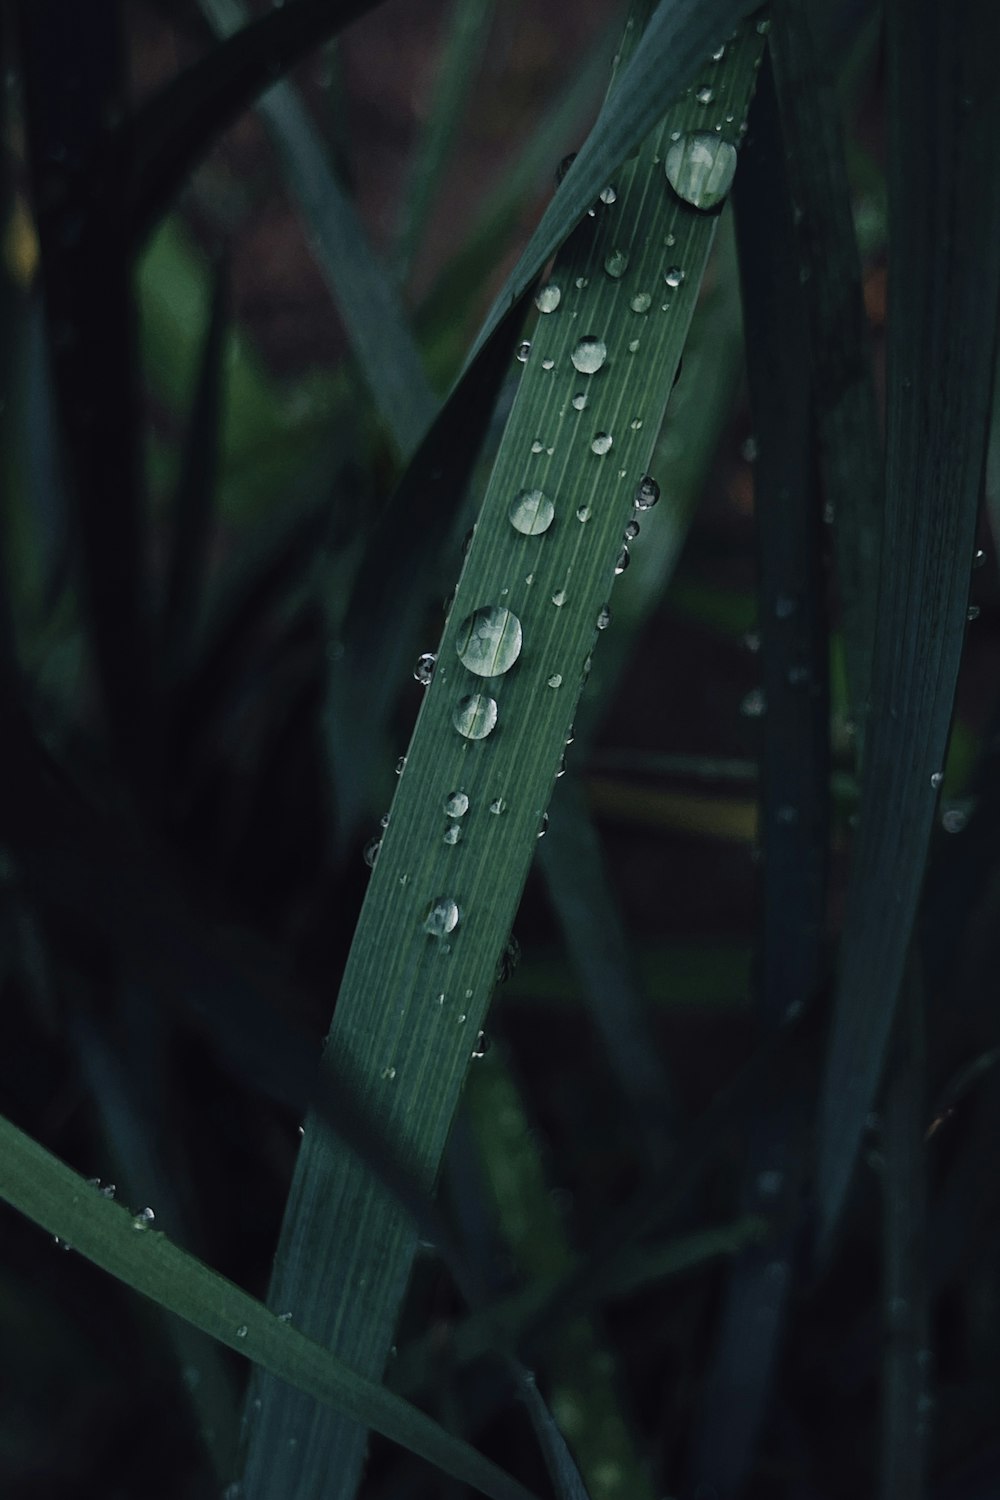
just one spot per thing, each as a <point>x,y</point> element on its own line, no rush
<point>370,852</point>
<point>631,531</point>
<point>583,513</point>
<point>242,1331</point>
<point>753,705</point>
<point>498,806</point>
<point>616,264</point>
<point>635,424</point>
<point>537,446</point>
<point>442,917</point>
<point>705,95</point>
<point>143,1219</point>
<point>633,346</point>
<point>547,298</point>
<point>763,27</point>
<point>579,401</point>
<point>555,680</point>
<point>589,354</point>
<point>523,350</point>
<point>641,302</point>
<point>531,512</point>
<point>719,53</point>
<point>972,613</point>
<point>453,833</point>
<point>401,765</point>
<point>700,168</point>
<point>548,364</point>
<point>388,1074</point>
<point>475,716</point>
<point>608,195</point>
<point>482,1045</point>
<point>604,617</point>
<point>954,819</point>
<point>508,960</point>
<point>559,598</point>
<point>489,641</point>
<point>937,779</point>
<point>424,670</point>
<point>673,276</point>
<point>284,1317</point>
<point>978,558</point>
<point>543,827</point>
<point>601,443</point>
<point>581,282</point>
<point>622,561</point>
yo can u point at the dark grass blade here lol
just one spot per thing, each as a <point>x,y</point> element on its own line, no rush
<point>795,769</point>
<point>72,66</point>
<point>906,1362</point>
<point>367,301</point>
<point>194,500</point>
<point>166,139</point>
<point>850,445</point>
<point>944,275</point>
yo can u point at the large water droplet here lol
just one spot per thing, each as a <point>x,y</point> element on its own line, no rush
<point>700,168</point>
<point>601,443</point>
<point>673,276</point>
<point>547,298</point>
<point>937,779</point>
<point>475,716</point>
<point>453,833</point>
<point>489,641</point>
<point>608,194</point>
<point>579,401</point>
<point>456,805</point>
<point>442,917</point>
<point>555,680</point>
<point>616,264</point>
<point>641,302</point>
<point>424,670</point>
<point>531,512</point>
<point>589,354</point>
<point>647,493</point>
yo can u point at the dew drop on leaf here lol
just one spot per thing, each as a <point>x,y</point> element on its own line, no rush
<point>453,833</point>
<point>641,302</point>
<point>475,716</point>
<point>424,669</point>
<point>616,264</point>
<point>555,680</point>
<point>489,641</point>
<point>700,168</point>
<point>589,354</point>
<point>531,512</point>
<point>498,806</point>
<point>622,562</point>
<point>579,401</point>
<point>647,493</point>
<point>601,443</point>
<point>456,805</point>
<point>673,276</point>
<point>604,617</point>
<point>547,298</point>
<point>523,350</point>
<point>370,854</point>
<point>442,917</point>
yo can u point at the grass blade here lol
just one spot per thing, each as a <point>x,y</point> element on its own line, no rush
<point>438,911</point>
<point>107,1233</point>
<point>944,277</point>
<point>366,300</point>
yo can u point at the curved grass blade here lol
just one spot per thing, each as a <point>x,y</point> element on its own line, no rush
<point>42,1188</point>
<point>166,138</point>
<point>366,300</point>
<point>438,910</point>
<point>844,390</point>
<point>944,279</point>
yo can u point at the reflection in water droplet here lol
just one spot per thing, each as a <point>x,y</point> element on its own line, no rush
<point>673,276</point>
<point>531,512</point>
<point>453,833</point>
<point>523,350</point>
<point>616,264</point>
<point>489,641</point>
<point>622,562</point>
<point>589,354</point>
<point>547,298</point>
<point>700,168</point>
<point>498,806</point>
<point>601,443</point>
<point>579,401</point>
<point>583,513</point>
<point>370,853</point>
<point>424,670</point>
<point>641,302</point>
<point>937,779</point>
<point>647,493</point>
<point>604,617</point>
<point>456,805</point>
<point>555,680</point>
<point>475,716</point>
<point>559,598</point>
<point>631,531</point>
<point>442,917</point>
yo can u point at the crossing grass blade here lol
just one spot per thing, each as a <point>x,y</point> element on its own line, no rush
<point>366,300</point>
<point>38,1185</point>
<point>944,275</point>
<point>438,911</point>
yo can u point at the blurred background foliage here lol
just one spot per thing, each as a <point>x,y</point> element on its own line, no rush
<point>166,671</point>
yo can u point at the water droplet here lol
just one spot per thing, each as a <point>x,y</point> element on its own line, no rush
<point>401,765</point>
<point>284,1317</point>
<point>763,27</point>
<point>564,167</point>
<point>559,598</point>
<point>498,806</point>
<point>673,276</point>
<point>601,442</point>
<point>616,264</point>
<point>475,716</point>
<point>608,195</point>
<point>388,1074</point>
<point>370,852</point>
<point>531,512</point>
<point>547,298</point>
<point>242,1331</point>
<point>456,805</point>
<point>978,558</point>
<point>583,513</point>
<point>700,168</point>
<point>384,819</point>
<point>753,705</point>
<point>705,95</point>
<point>562,766</point>
<point>589,354</point>
<point>622,561</point>
<point>548,364</point>
<point>508,960</point>
<point>579,401</point>
<point>604,617</point>
<point>489,641</point>
<point>633,346</point>
<point>631,531</point>
<point>937,779</point>
<point>972,613</point>
<point>143,1219</point>
<point>635,424</point>
<point>641,302</point>
<point>453,833</point>
<point>523,350</point>
<point>719,53</point>
<point>555,680</point>
<point>482,1045</point>
<point>424,670</point>
<point>543,826</point>
<point>537,446</point>
<point>955,819</point>
<point>442,917</point>
<point>581,282</point>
